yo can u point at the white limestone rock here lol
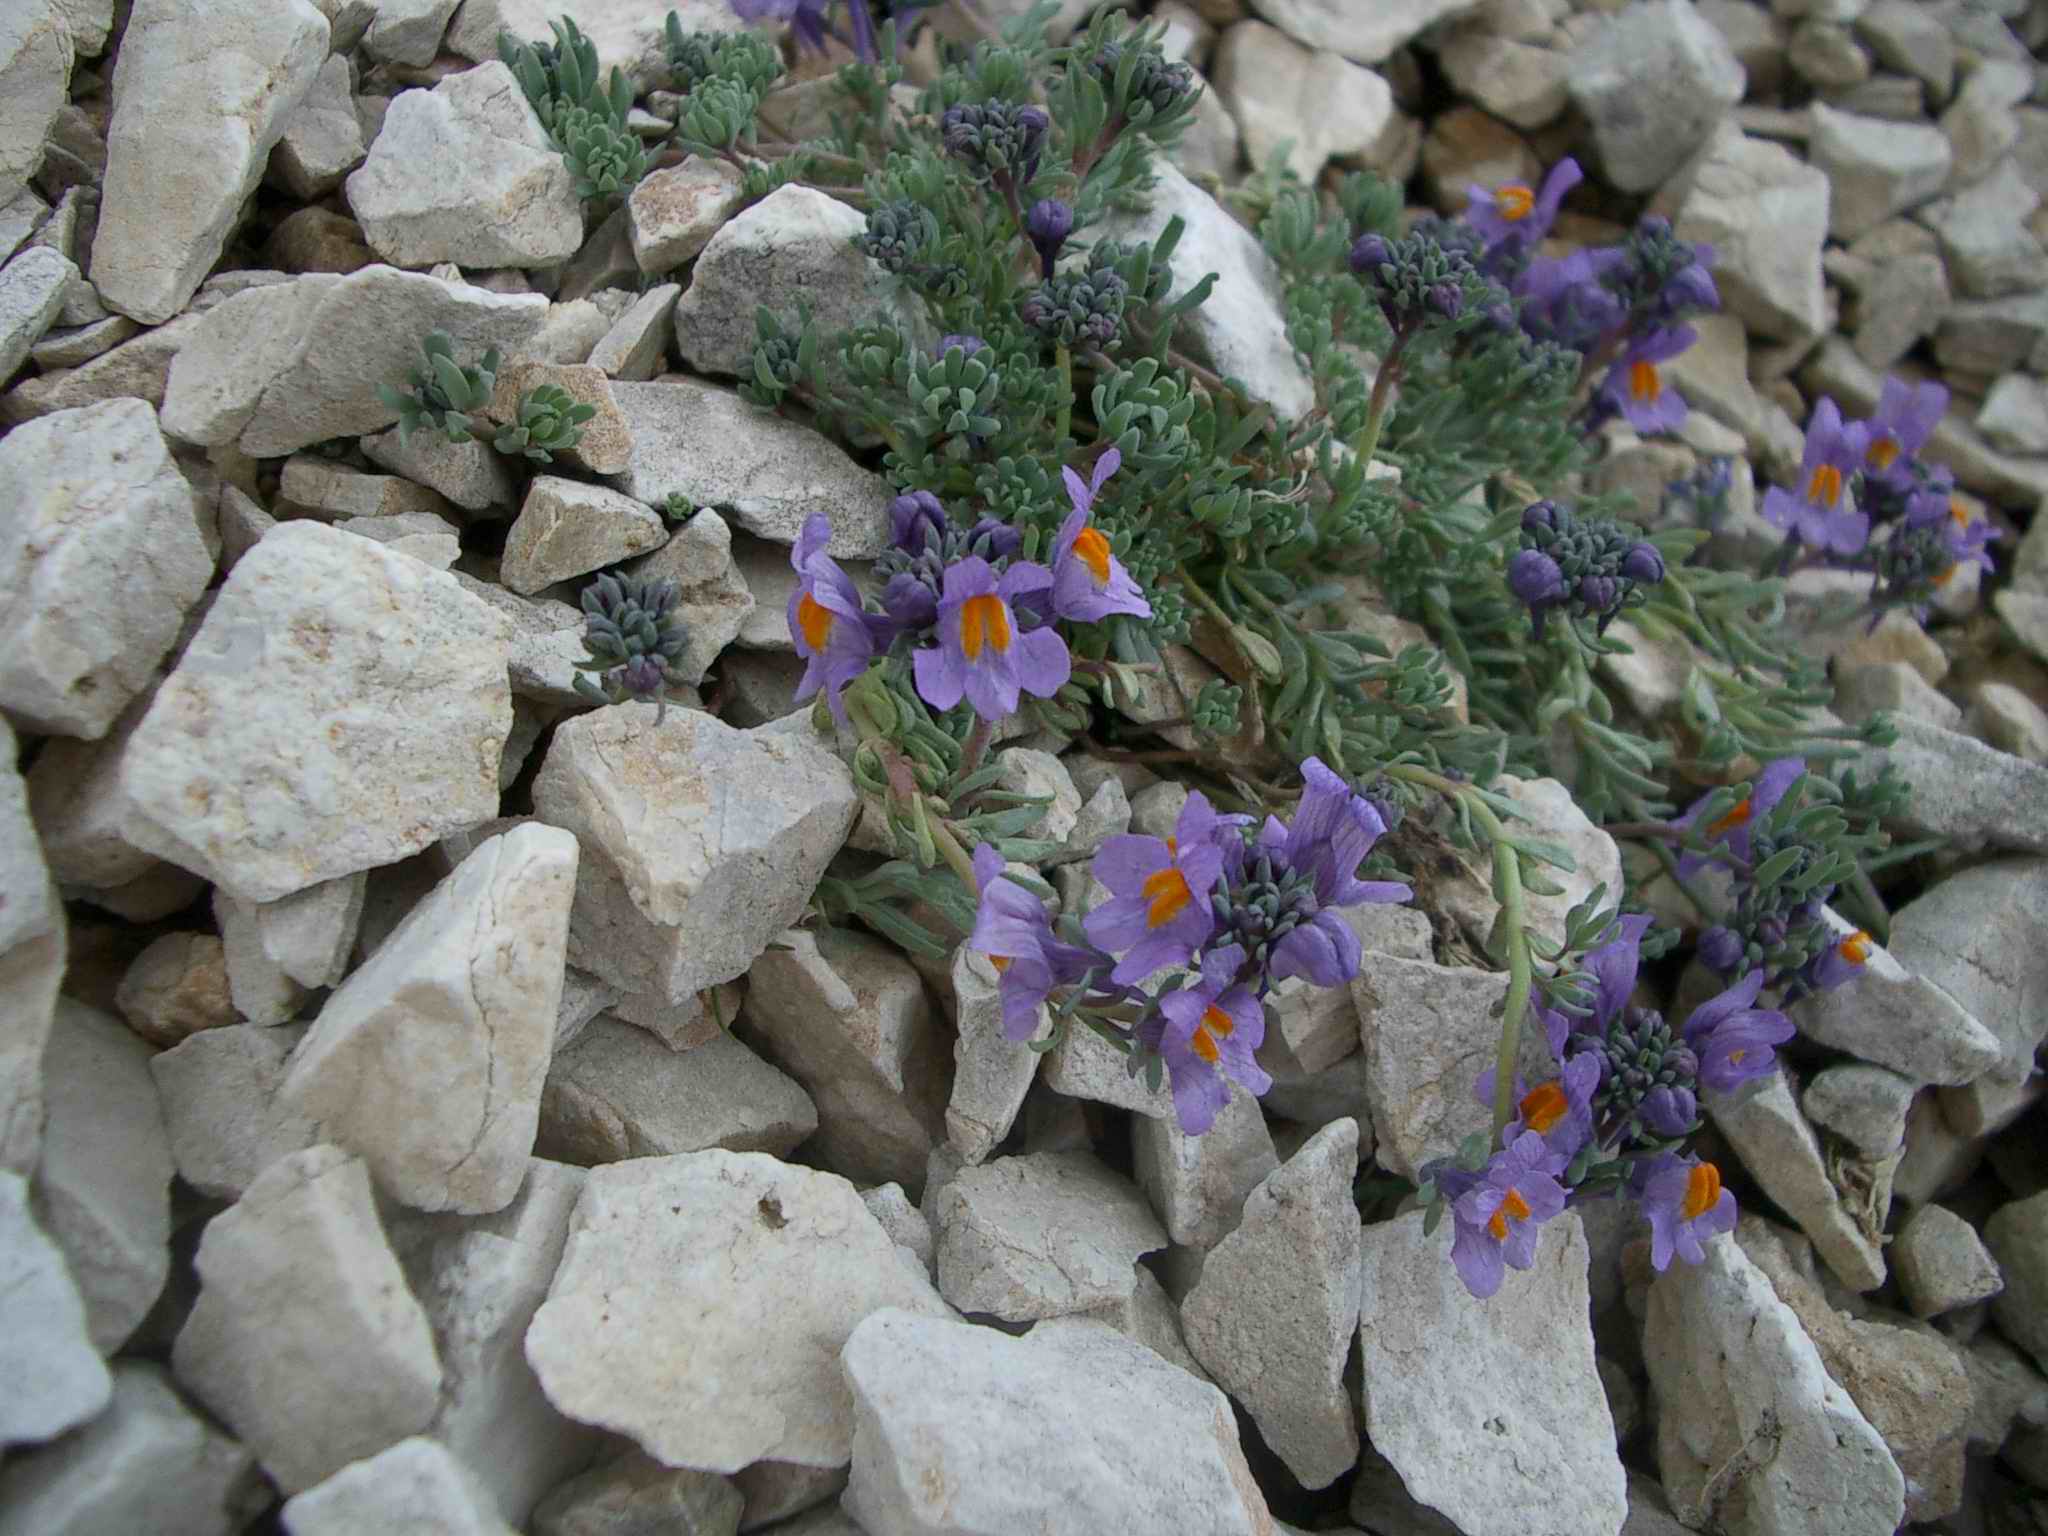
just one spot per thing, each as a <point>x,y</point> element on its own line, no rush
<point>221,1111</point>
<point>1198,1184</point>
<point>419,536</point>
<point>712,600</point>
<point>57,1378</point>
<point>415,1485</point>
<point>1519,83</point>
<point>644,1331</point>
<point>466,173</point>
<point>469,474</point>
<point>193,126</point>
<point>700,843</point>
<point>1977,936</point>
<point>342,706</point>
<point>617,1092</point>
<point>1486,1444</point>
<point>991,1072</point>
<point>714,449</point>
<point>796,241</point>
<point>1990,249</point>
<point>1274,1311</point>
<point>1041,1235</point>
<point>236,348</point>
<point>1073,1430</point>
<point>36,54</point>
<point>323,140</point>
<point>408,31</point>
<point>637,343</point>
<point>100,561</point>
<point>1763,1125</point>
<point>1653,80</point>
<point>848,1017</point>
<point>1865,1106</point>
<point>1898,1018</point>
<point>1278,90</point>
<point>148,1463</point>
<point>304,940</point>
<point>567,528</point>
<point>904,1222</point>
<point>32,955</point>
<point>311,486</point>
<point>32,292</point>
<point>635,1493</point>
<point>2017,1235</point>
<point>1965,791</point>
<point>300,1289</point>
<point>104,1185</point>
<point>1942,1263</point>
<point>1749,1418</point>
<point>624,32</point>
<point>674,212</point>
<point>1240,331</point>
<point>480,1280</point>
<point>1765,212</point>
<point>429,1060</point>
<point>1366,34</point>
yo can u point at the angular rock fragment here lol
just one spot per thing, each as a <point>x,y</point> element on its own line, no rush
<point>1198,1184</point>
<point>634,1493</point>
<point>176,987</point>
<point>712,600</point>
<point>1942,1264</point>
<point>567,528</point>
<point>700,843</point>
<point>416,1484</point>
<point>2017,1235</point>
<point>429,1059</point>
<point>1653,80</point>
<point>1273,1314</point>
<point>962,1431</point>
<point>222,1114</point>
<point>341,707</point>
<point>619,1093</point>
<point>1976,936</point>
<point>1040,1236</point>
<point>100,561</point>
<point>674,212</point>
<point>991,1072</point>
<point>645,1333</point>
<point>32,955</point>
<point>58,1380</point>
<point>104,1185</point>
<point>1483,1445</point>
<point>323,139</point>
<point>193,126</point>
<point>299,1287</point>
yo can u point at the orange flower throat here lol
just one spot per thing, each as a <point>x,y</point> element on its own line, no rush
<point>984,621</point>
<point>815,620</point>
<point>1093,551</point>
<point>1513,1205</point>
<point>1825,488</point>
<point>1216,1025</point>
<point>1168,895</point>
<point>1543,1106</point>
<point>1514,202</point>
<point>1883,451</point>
<point>1645,384</point>
<point>1856,948</point>
<point>1702,1191</point>
<point>1739,817</point>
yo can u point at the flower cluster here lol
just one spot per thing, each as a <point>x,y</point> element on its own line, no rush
<point>1866,500</point>
<point>1621,307</point>
<point>999,141</point>
<point>1613,1119</point>
<point>1227,907</point>
<point>633,638</point>
<point>1592,567</point>
<point>1073,307</point>
<point>1416,278</point>
<point>977,620</point>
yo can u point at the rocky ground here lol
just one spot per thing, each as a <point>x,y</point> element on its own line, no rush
<point>417,1108</point>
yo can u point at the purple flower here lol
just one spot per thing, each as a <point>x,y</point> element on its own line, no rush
<point>1011,928</point>
<point>1334,828</point>
<point>1643,565</point>
<point>1559,1109</point>
<point>1967,541</point>
<point>1841,962</point>
<point>1823,514</point>
<point>1207,1033</point>
<point>1691,288</point>
<point>982,652</point>
<point>1731,828</point>
<point>1733,1039</point>
<point>1905,418</point>
<point>1636,388</point>
<point>1369,253</point>
<point>968,344</point>
<point>915,519</point>
<point>1613,967</point>
<point>1567,300</point>
<point>1500,1218</point>
<point>1519,211</point>
<point>806,18</point>
<point>827,619</point>
<point>1159,909</point>
<point>1685,1203</point>
<point>1088,582</point>
<point>1721,949</point>
<point>1536,580</point>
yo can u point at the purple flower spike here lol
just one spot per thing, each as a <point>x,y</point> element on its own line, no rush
<point>827,619</point>
<point>1520,211</point>
<point>1685,1204</point>
<point>1500,1219</point>
<point>1088,582</point>
<point>1159,909</point>
<point>1731,828</point>
<point>1637,389</point>
<point>1207,1033</point>
<point>1011,928</point>
<point>982,651</point>
<point>1905,418</point>
<point>1822,513</point>
<point>1733,1039</point>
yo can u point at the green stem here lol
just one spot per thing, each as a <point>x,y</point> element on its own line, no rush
<point>1368,441</point>
<point>1065,362</point>
<point>950,849</point>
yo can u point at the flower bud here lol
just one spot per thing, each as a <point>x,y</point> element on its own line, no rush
<point>916,518</point>
<point>1448,300</point>
<point>1539,515</point>
<point>1535,578</point>
<point>1692,288</point>
<point>1721,950</point>
<point>1643,565</point>
<point>1047,226</point>
<point>1599,593</point>
<point>1369,253</point>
